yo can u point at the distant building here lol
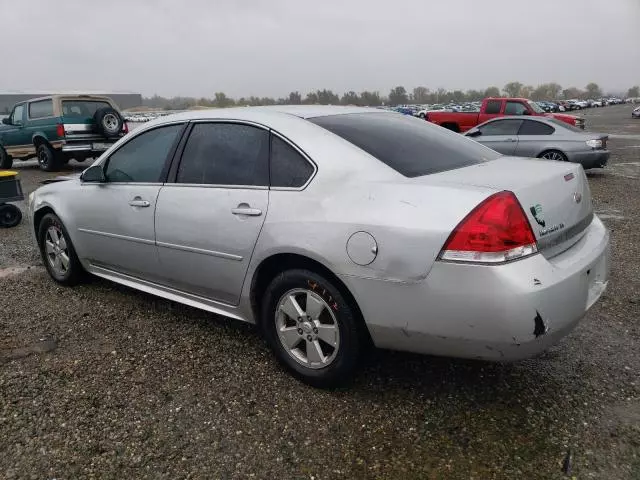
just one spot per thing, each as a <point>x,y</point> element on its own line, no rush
<point>124,100</point>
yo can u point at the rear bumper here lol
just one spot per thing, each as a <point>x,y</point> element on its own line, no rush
<point>503,312</point>
<point>96,147</point>
<point>590,159</point>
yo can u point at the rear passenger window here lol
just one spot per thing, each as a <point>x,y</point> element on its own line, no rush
<point>288,167</point>
<point>500,127</point>
<point>493,106</point>
<point>515,108</point>
<point>41,109</point>
<point>225,154</point>
<point>531,127</point>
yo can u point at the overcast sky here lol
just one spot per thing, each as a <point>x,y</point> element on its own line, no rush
<point>271,47</point>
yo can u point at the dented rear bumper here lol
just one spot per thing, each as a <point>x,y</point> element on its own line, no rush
<point>503,312</point>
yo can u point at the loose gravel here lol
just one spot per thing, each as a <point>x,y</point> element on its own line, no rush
<point>101,381</point>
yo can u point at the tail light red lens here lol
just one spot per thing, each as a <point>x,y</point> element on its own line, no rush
<point>125,128</point>
<point>496,231</point>
<point>60,130</point>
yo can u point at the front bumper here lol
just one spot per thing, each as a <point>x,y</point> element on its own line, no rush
<point>590,159</point>
<point>503,312</point>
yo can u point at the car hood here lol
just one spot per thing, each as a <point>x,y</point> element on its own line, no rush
<point>62,178</point>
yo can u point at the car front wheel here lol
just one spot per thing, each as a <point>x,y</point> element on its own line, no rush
<point>312,328</point>
<point>57,251</point>
<point>48,160</point>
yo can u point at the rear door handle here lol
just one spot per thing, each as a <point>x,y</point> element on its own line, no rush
<point>138,202</point>
<point>252,212</point>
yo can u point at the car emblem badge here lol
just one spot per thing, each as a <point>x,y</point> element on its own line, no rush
<point>536,211</point>
<point>577,197</point>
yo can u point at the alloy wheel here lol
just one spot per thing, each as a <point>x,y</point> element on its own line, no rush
<point>553,156</point>
<point>57,250</point>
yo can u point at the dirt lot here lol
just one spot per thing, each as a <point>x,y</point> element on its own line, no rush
<point>104,382</point>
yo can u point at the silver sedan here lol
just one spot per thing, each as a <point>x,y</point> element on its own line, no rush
<point>332,228</point>
<point>542,137</point>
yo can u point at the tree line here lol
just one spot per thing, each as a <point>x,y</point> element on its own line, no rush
<point>396,96</point>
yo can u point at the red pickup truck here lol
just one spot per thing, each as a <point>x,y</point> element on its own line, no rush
<point>496,107</point>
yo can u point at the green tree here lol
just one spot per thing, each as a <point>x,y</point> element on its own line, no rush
<point>311,98</point>
<point>593,90</point>
<point>512,89</point>
<point>398,96</point>
<point>295,98</point>
<point>371,99</point>
<point>222,100</point>
<point>350,98</point>
<point>421,94</point>
<point>492,92</point>
<point>634,92</point>
<point>457,96</point>
<point>473,95</point>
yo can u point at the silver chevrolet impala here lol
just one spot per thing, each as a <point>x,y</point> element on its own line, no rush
<point>332,228</point>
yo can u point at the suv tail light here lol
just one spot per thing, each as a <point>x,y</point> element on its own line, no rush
<point>60,130</point>
<point>125,128</point>
<point>496,231</point>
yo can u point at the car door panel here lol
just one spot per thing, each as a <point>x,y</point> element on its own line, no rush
<point>206,236</point>
<point>504,144</point>
<point>500,135</point>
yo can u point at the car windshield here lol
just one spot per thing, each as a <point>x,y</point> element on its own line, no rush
<point>562,124</point>
<point>82,108</point>
<point>410,146</point>
<point>535,107</point>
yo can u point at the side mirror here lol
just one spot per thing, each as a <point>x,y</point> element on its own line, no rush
<point>6,121</point>
<point>474,133</point>
<point>526,112</point>
<point>93,174</point>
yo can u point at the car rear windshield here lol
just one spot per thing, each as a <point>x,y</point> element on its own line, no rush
<point>409,145</point>
<point>82,108</point>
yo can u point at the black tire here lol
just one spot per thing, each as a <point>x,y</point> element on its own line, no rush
<point>74,272</point>
<point>48,159</point>
<point>556,155</point>
<point>341,368</point>
<point>108,122</point>
<point>5,160</point>
<point>10,215</point>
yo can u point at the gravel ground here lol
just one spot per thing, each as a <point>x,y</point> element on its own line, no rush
<point>101,381</point>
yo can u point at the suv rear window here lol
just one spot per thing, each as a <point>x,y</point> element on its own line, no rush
<point>82,108</point>
<point>407,144</point>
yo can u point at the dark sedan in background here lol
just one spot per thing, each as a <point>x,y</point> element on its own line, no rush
<point>543,137</point>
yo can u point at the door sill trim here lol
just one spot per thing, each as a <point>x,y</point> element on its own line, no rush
<point>168,293</point>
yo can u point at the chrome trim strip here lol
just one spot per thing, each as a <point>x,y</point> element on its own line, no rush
<point>119,237</point>
<point>78,127</point>
<point>206,185</point>
<point>167,292</point>
<point>201,251</point>
<point>76,148</point>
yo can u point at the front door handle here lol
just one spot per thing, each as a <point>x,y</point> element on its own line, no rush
<point>252,212</point>
<point>138,202</point>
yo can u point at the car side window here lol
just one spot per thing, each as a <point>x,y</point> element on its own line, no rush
<point>225,154</point>
<point>500,127</point>
<point>287,167</point>
<point>41,109</point>
<point>515,108</point>
<point>531,127</point>
<point>142,159</point>
<point>16,117</point>
<point>493,107</point>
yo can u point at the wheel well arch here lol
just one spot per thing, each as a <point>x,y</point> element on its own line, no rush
<point>39,139</point>
<point>270,267</point>
<point>38,215</point>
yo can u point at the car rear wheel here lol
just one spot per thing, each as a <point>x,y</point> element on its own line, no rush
<point>48,159</point>
<point>10,216</point>
<point>5,160</point>
<point>57,251</point>
<point>554,155</point>
<point>311,327</point>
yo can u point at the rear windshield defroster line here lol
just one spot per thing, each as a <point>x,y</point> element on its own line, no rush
<point>411,146</point>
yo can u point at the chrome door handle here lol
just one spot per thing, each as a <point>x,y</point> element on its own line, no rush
<point>136,202</point>
<point>511,140</point>
<point>252,212</point>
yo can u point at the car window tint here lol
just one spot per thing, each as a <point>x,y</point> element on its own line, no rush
<point>142,159</point>
<point>16,119</point>
<point>565,125</point>
<point>515,108</point>
<point>500,127</point>
<point>288,167</point>
<point>407,144</point>
<point>41,109</point>
<point>225,154</point>
<point>82,108</point>
<point>531,127</point>
<point>493,106</point>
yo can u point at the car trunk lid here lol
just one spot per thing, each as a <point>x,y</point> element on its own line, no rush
<point>554,195</point>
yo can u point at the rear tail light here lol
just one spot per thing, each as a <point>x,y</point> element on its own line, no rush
<point>496,231</point>
<point>60,130</point>
<point>125,128</point>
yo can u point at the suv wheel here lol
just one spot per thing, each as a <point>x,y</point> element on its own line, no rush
<point>57,251</point>
<point>108,121</point>
<point>47,158</point>
<point>312,329</point>
<point>5,160</point>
